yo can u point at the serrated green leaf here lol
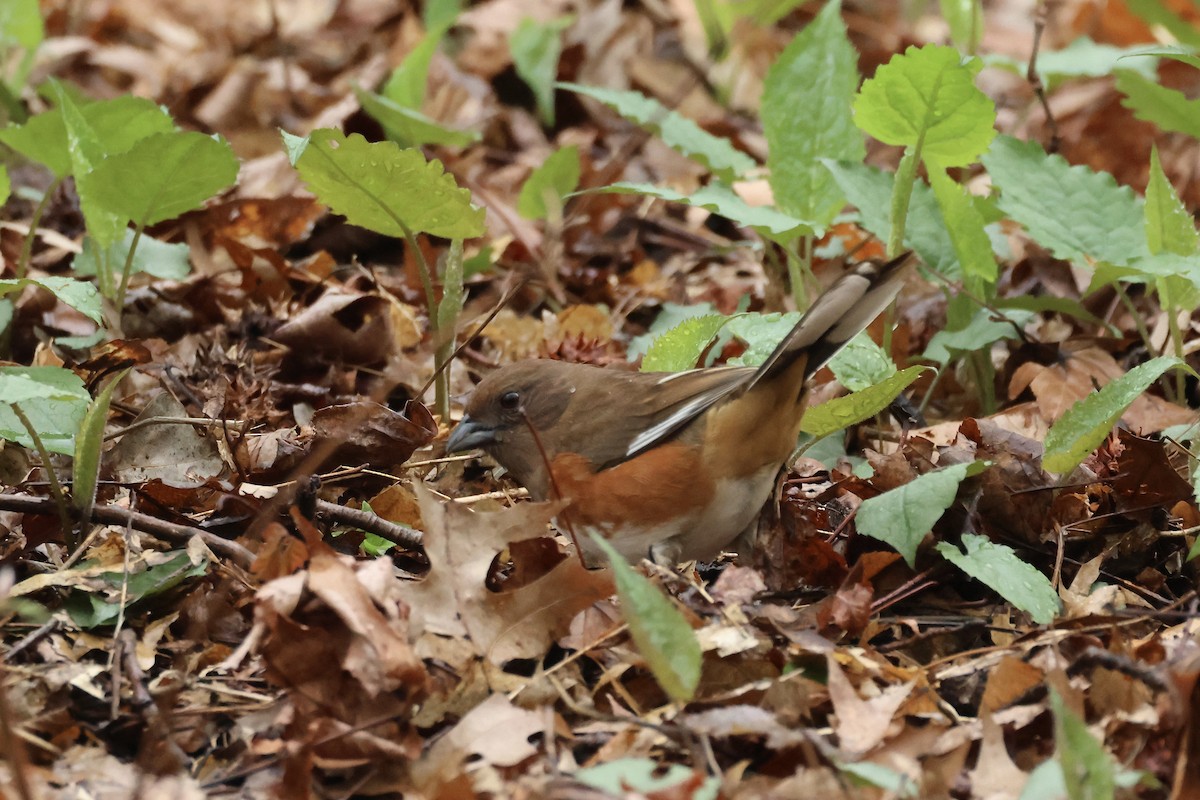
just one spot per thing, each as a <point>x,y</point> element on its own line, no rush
<point>677,131</point>
<point>1184,55</point>
<point>171,261</point>
<point>999,567</point>
<point>661,633</point>
<point>981,332</point>
<point>671,315</point>
<point>1169,109</point>
<point>115,125</point>
<point>558,175</point>
<point>902,516</point>
<point>535,50</point>
<point>806,117</point>
<point>1078,214</point>
<point>162,176</point>
<point>760,332</point>
<point>86,150</point>
<point>1088,771</point>
<point>965,225</point>
<point>21,24</point>
<point>79,295</point>
<point>408,127</point>
<point>1169,226</point>
<point>928,96</point>
<point>382,187</point>
<point>54,399</point>
<point>681,347</point>
<point>1156,12</point>
<point>861,363</point>
<point>842,412</point>
<point>869,189</point>
<point>89,445</point>
<point>1082,58</point>
<point>723,201</point>
<point>1085,425</point>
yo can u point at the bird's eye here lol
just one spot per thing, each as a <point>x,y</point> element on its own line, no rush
<point>510,400</point>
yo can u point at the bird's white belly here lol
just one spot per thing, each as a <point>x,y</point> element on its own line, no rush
<point>701,535</point>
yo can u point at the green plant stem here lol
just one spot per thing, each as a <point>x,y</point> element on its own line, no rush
<point>441,384</point>
<point>1144,333</point>
<point>983,379</point>
<point>906,176</point>
<point>56,490</point>
<point>1177,345</point>
<point>937,378</point>
<point>800,271</point>
<point>127,268</point>
<point>38,213</point>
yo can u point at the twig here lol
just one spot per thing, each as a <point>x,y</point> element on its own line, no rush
<point>409,538</point>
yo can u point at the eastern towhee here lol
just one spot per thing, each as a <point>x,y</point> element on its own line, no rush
<point>670,466</point>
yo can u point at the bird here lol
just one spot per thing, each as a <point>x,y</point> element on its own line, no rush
<point>672,467</point>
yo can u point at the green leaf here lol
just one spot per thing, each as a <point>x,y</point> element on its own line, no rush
<point>383,188</point>
<point>1156,12</point>
<point>723,201</point>
<point>162,176</point>
<point>868,773</point>
<point>928,96</point>
<point>406,85</point>
<point>965,225</point>
<point>660,631</point>
<point>79,295</point>
<point>806,117</point>
<point>5,185</point>
<point>89,445</point>
<point>677,131</point>
<point>1084,425</point>
<point>20,24</point>
<point>965,19</point>
<point>1088,771</point>
<point>1082,58</point>
<point>842,412</point>
<point>1169,226</point>
<point>1078,214</point>
<point>557,176</point>
<point>999,567</point>
<point>1184,55</point>
<point>86,149</point>
<point>760,332</point>
<point>91,609</point>
<point>153,257</point>
<point>862,363</point>
<point>535,49</point>
<point>408,127</point>
<point>671,315</point>
<point>681,347</point>
<point>645,776</point>
<point>869,189</point>
<point>981,332</point>
<point>438,14</point>
<point>1169,109</point>
<point>114,124</point>
<point>902,516</point>
<point>54,399</point>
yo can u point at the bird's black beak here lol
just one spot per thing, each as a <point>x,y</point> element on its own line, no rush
<point>469,435</point>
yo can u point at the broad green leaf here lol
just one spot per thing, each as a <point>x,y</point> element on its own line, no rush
<point>20,24</point>
<point>671,315</point>
<point>760,332</point>
<point>984,330</point>
<point>842,412</point>
<point>1156,12</point>
<point>558,175</point>
<point>89,445</point>
<point>535,49</point>
<point>1169,226</point>
<point>382,187</point>
<point>1082,58</point>
<point>1169,109</point>
<point>86,150</point>
<point>440,13</point>
<point>902,516</point>
<point>725,202</point>
<point>965,225</point>
<point>928,96</point>
<point>406,85</point>
<point>79,295</point>
<point>1078,214</point>
<point>408,127</point>
<point>677,131</point>
<point>869,189</point>
<point>681,347</point>
<point>152,256</point>
<point>162,176</point>
<point>896,784</point>
<point>54,399</point>
<point>862,364</point>
<point>644,776</point>
<point>1084,425</point>
<point>1184,55</point>
<point>5,185</point>
<point>1088,771</point>
<point>115,125</point>
<point>965,19</point>
<point>93,609</point>
<point>660,631</point>
<point>806,117</point>
<point>999,567</point>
